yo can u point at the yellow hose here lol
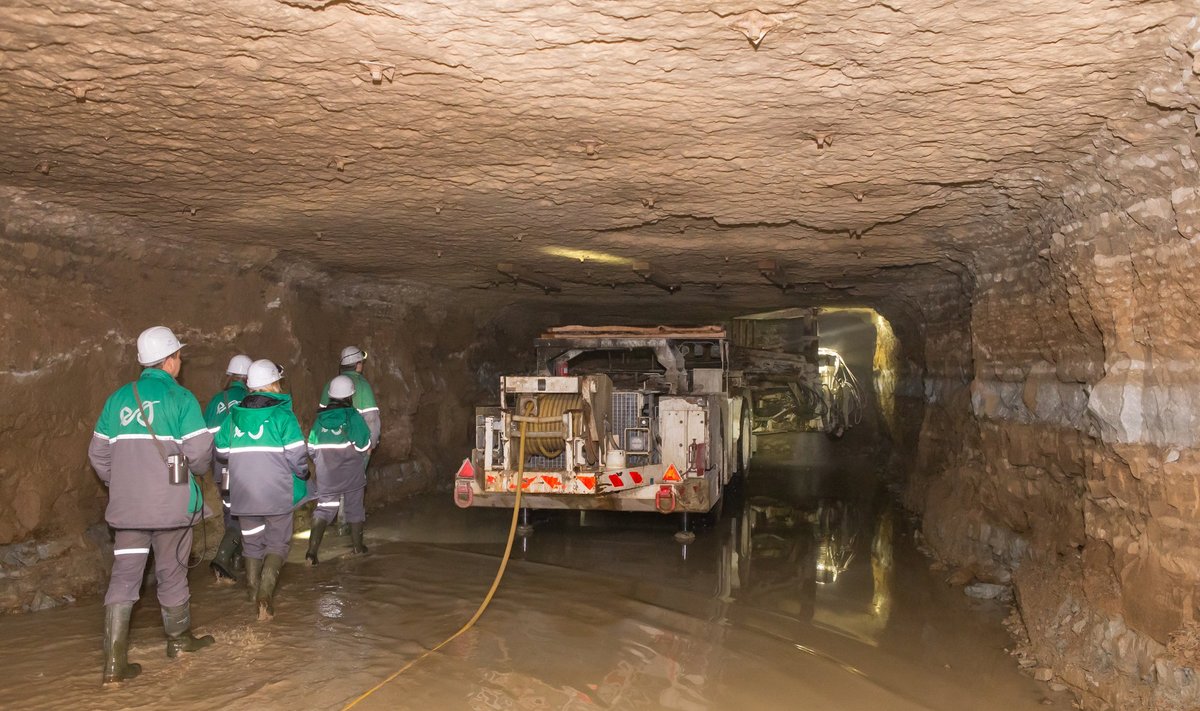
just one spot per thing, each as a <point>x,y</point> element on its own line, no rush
<point>512,534</point>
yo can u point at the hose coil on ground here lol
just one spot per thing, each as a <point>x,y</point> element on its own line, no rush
<point>545,434</point>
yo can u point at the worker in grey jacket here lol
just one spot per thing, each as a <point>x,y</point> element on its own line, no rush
<point>149,444</point>
<point>338,444</point>
<point>263,448</point>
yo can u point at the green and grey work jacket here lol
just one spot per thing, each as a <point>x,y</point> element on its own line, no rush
<point>222,402</point>
<point>364,402</point>
<point>338,444</point>
<point>128,461</point>
<point>263,447</point>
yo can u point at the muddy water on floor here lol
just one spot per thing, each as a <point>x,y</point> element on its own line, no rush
<point>806,594</point>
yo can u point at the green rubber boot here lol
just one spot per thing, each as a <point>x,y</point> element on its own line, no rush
<point>356,538</point>
<point>177,623</point>
<point>222,563</point>
<point>314,540</point>
<point>254,568</point>
<point>116,644</point>
<point>272,564</point>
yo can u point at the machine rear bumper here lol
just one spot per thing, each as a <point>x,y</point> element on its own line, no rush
<point>690,497</point>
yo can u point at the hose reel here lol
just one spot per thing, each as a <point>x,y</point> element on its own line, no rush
<point>544,434</point>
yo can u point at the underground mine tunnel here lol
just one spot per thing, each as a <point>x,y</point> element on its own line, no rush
<point>952,242</point>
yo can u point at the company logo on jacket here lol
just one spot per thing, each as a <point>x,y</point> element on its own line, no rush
<point>237,432</point>
<point>128,414</point>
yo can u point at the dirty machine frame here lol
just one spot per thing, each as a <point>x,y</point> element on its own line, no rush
<point>616,418</point>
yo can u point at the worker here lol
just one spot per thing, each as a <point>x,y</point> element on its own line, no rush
<point>222,565</point>
<point>338,444</point>
<point>149,444</point>
<point>263,449</point>
<point>352,360</point>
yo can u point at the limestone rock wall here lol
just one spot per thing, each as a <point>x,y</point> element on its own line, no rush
<point>76,291</point>
<point>1058,449</point>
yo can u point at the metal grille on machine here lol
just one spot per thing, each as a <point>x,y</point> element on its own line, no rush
<point>538,463</point>
<point>626,409</point>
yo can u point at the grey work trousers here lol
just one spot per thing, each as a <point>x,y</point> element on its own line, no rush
<point>266,534</point>
<point>172,548</point>
<point>328,505</point>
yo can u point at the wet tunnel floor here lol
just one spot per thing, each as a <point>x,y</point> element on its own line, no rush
<point>807,593</point>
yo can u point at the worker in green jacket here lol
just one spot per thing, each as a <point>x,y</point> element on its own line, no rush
<point>264,449</point>
<point>338,444</point>
<point>230,549</point>
<point>353,358</point>
<point>148,445</point>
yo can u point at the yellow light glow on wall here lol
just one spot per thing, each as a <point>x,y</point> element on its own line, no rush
<point>584,255</point>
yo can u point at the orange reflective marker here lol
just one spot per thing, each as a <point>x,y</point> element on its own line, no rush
<point>672,474</point>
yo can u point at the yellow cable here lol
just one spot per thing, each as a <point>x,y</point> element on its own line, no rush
<point>512,533</point>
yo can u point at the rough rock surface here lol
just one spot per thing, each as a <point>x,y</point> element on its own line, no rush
<point>845,139</point>
<point>1059,447</point>
<point>75,291</point>
<point>1013,185</point>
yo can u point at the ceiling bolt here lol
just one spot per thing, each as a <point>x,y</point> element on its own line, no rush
<point>591,146</point>
<point>648,203</point>
<point>437,209</point>
<point>754,27</point>
<point>43,167</point>
<point>823,140</point>
<point>339,163</point>
<point>379,70</point>
<point>859,196</point>
<point>79,91</point>
<point>193,210</point>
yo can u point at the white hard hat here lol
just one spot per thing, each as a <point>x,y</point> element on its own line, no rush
<point>262,373</point>
<point>341,387</point>
<point>238,365</point>
<point>352,355</point>
<point>155,344</point>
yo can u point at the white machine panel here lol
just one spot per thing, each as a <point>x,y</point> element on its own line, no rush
<point>680,424</point>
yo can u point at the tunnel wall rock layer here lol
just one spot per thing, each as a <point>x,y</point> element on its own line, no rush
<point>1059,447</point>
<point>74,293</point>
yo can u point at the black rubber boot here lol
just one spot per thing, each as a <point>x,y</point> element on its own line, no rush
<point>314,540</point>
<point>356,538</point>
<point>116,644</point>
<point>177,623</point>
<point>254,568</point>
<point>272,564</point>
<point>222,564</point>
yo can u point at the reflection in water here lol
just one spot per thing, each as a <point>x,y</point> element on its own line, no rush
<point>807,593</point>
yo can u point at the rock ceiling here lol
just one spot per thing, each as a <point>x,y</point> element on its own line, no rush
<point>432,140</point>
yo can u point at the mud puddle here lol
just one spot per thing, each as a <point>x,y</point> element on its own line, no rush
<point>807,593</point>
